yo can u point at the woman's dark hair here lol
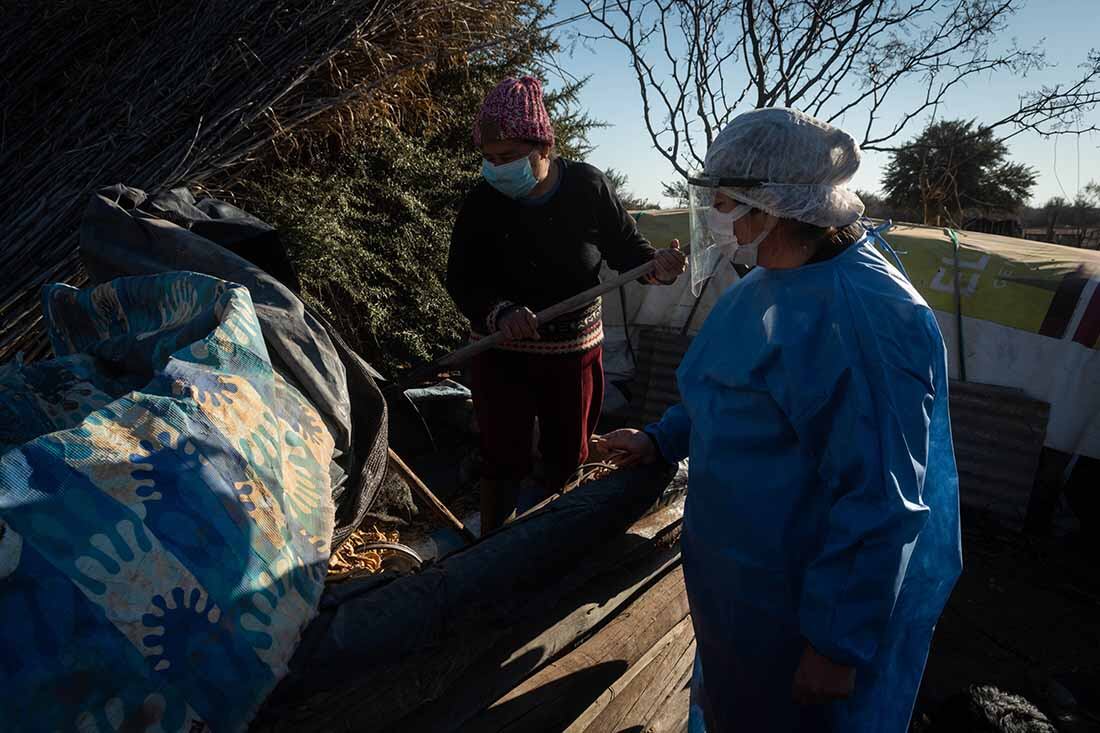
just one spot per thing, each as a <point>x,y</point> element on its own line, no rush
<point>829,237</point>
<point>827,242</point>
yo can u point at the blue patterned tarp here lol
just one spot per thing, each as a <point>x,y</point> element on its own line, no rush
<point>164,498</point>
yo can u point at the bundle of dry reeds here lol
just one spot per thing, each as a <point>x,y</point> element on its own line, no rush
<point>158,94</point>
<point>357,557</point>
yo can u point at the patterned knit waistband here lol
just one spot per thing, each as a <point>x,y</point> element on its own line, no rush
<point>573,332</point>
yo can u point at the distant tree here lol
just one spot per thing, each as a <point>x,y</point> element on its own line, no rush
<point>878,207</point>
<point>872,202</point>
<point>952,166</point>
<point>630,200</point>
<point>1080,216</point>
<point>676,190</point>
<point>1085,215</point>
<point>1052,212</point>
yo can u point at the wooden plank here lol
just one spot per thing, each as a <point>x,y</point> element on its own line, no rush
<point>554,696</point>
<point>384,694</point>
<point>436,507</point>
<point>650,676</point>
<point>646,698</point>
<point>525,651</point>
<point>671,716</point>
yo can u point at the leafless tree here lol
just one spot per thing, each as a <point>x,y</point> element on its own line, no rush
<point>700,62</point>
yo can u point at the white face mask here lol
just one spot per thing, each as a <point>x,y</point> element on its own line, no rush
<point>720,224</point>
<point>745,254</point>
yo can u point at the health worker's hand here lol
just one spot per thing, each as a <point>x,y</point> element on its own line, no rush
<point>628,447</point>
<point>520,324</point>
<point>820,680</point>
<point>670,264</point>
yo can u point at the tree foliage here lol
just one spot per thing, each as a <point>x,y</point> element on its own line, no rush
<point>164,94</point>
<point>878,207</point>
<point>698,63</point>
<point>368,225</point>
<point>620,184</point>
<point>676,190</point>
<point>954,166</point>
<point>1075,223</point>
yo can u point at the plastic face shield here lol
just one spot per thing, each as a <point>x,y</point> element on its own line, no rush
<point>712,238</point>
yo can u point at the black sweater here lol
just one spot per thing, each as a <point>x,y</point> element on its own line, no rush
<point>535,256</point>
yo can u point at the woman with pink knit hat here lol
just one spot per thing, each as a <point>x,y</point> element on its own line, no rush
<point>533,233</point>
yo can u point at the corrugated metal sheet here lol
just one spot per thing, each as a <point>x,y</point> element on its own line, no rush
<point>998,434</point>
<point>998,431</point>
<point>654,389</point>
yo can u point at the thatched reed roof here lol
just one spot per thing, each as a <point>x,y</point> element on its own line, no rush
<point>159,94</point>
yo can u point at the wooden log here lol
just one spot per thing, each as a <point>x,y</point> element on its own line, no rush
<point>552,698</point>
<point>647,682</point>
<point>435,506</point>
<point>519,654</point>
<point>628,568</point>
<point>387,690</point>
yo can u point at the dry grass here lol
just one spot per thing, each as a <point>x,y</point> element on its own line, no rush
<point>354,559</point>
<point>158,94</point>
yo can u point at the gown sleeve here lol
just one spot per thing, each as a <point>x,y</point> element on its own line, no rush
<point>672,433</point>
<point>861,404</point>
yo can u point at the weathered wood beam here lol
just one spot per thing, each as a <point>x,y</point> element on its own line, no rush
<point>646,682</point>
<point>671,714</point>
<point>519,654</point>
<point>557,694</point>
<point>373,658</point>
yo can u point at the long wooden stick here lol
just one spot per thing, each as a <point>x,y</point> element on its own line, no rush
<point>434,504</point>
<point>544,316</point>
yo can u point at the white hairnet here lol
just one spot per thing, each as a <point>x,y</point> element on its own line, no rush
<point>804,161</point>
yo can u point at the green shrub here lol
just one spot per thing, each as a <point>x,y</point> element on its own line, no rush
<point>369,234</point>
<point>368,224</point>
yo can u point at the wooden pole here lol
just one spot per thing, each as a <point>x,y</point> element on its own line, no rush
<point>547,315</point>
<point>434,504</point>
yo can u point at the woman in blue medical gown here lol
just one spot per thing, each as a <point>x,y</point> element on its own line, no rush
<point>821,532</point>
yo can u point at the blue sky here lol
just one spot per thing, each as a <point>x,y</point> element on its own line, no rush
<point>1067,30</point>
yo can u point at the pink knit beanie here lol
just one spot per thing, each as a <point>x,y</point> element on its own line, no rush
<point>514,111</point>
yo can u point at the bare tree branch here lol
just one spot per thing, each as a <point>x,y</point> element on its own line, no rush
<point>697,62</point>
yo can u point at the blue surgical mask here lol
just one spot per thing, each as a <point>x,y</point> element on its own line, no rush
<point>514,180</point>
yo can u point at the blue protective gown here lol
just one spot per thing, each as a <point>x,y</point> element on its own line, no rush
<point>823,495</point>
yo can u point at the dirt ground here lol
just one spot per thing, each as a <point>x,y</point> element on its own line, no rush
<point>1026,610</point>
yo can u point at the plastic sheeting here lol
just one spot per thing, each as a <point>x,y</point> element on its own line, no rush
<point>124,233</point>
<point>171,493</point>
